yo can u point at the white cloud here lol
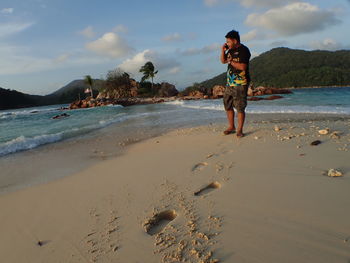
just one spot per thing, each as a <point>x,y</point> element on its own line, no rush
<point>249,3</point>
<point>254,54</point>
<point>254,35</point>
<point>7,29</point>
<point>110,45</point>
<point>282,43</point>
<point>251,35</point>
<point>203,50</point>
<point>211,2</point>
<point>174,70</point>
<point>120,29</point>
<point>7,10</point>
<point>202,72</point>
<point>14,62</point>
<point>88,32</point>
<point>263,3</point>
<point>172,38</point>
<point>327,44</point>
<point>293,19</point>
<point>194,35</point>
<point>17,60</point>
<point>62,58</point>
<point>160,62</point>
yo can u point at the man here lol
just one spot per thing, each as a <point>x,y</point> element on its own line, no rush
<point>237,56</point>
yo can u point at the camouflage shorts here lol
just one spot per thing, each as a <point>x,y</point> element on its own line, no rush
<point>236,97</point>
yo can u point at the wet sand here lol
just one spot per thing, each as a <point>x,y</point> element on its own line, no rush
<point>194,195</point>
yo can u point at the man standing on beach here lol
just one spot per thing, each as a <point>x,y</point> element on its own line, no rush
<point>237,56</point>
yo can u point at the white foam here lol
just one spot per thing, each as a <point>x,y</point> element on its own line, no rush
<point>4,117</point>
<point>27,111</point>
<point>175,102</point>
<point>115,105</point>
<point>272,108</point>
<point>22,143</point>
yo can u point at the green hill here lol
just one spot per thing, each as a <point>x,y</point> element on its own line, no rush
<point>71,91</point>
<point>11,99</point>
<point>284,67</point>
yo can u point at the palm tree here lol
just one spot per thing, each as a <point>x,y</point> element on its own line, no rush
<point>148,71</point>
<point>89,81</point>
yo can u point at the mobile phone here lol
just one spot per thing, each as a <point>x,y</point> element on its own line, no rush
<point>226,46</point>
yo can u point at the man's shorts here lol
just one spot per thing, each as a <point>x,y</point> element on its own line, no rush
<point>236,97</point>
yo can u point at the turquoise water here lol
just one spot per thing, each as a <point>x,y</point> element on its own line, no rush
<point>24,129</point>
<point>320,100</point>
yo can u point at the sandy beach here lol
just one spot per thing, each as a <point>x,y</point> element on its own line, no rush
<point>194,195</point>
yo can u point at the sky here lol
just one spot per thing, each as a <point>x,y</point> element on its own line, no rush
<point>45,44</point>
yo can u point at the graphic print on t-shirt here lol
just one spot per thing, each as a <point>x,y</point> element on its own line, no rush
<point>237,77</point>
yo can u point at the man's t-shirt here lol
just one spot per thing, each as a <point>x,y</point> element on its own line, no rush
<point>236,77</point>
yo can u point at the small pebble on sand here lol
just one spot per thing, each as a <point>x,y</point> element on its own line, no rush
<point>334,173</point>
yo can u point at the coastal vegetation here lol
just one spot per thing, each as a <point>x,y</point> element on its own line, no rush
<point>196,87</point>
<point>118,83</point>
<point>89,81</point>
<point>148,71</point>
<point>288,68</point>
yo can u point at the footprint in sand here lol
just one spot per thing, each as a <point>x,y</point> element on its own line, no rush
<point>156,224</point>
<point>210,187</point>
<point>199,166</point>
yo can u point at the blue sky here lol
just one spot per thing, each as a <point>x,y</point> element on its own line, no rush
<point>45,44</point>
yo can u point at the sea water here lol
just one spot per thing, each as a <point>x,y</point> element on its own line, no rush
<point>28,128</point>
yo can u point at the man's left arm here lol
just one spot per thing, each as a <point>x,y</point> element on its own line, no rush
<point>243,60</point>
<point>239,66</point>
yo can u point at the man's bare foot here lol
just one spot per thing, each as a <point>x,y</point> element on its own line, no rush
<point>229,131</point>
<point>240,134</point>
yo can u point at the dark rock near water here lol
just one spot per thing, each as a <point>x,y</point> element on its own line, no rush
<point>314,143</point>
<point>267,98</point>
<point>218,91</point>
<point>167,90</point>
<point>259,91</point>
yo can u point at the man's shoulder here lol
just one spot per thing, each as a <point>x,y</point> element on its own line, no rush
<point>244,47</point>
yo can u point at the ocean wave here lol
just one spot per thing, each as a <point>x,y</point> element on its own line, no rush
<point>300,109</point>
<point>4,117</point>
<point>175,102</point>
<point>260,109</point>
<point>28,111</point>
<point>23,143</point>
<point>115,105</point>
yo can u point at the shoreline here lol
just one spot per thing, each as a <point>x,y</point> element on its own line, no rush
<point>319,87</point>
<point>224,198</point>
<point>50,162</point>
<point>148,100</point>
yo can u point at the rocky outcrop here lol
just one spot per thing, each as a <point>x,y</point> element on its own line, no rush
<point>218,91</point>
<point>191,98</point>
<point>259,91</point>
<point>274,97</point>
<point>89,103</point>
<point>133,92</point>
<point>267,98</point>
<point>167,90</point>
<point>128,89</point>
<point>196,94</point>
